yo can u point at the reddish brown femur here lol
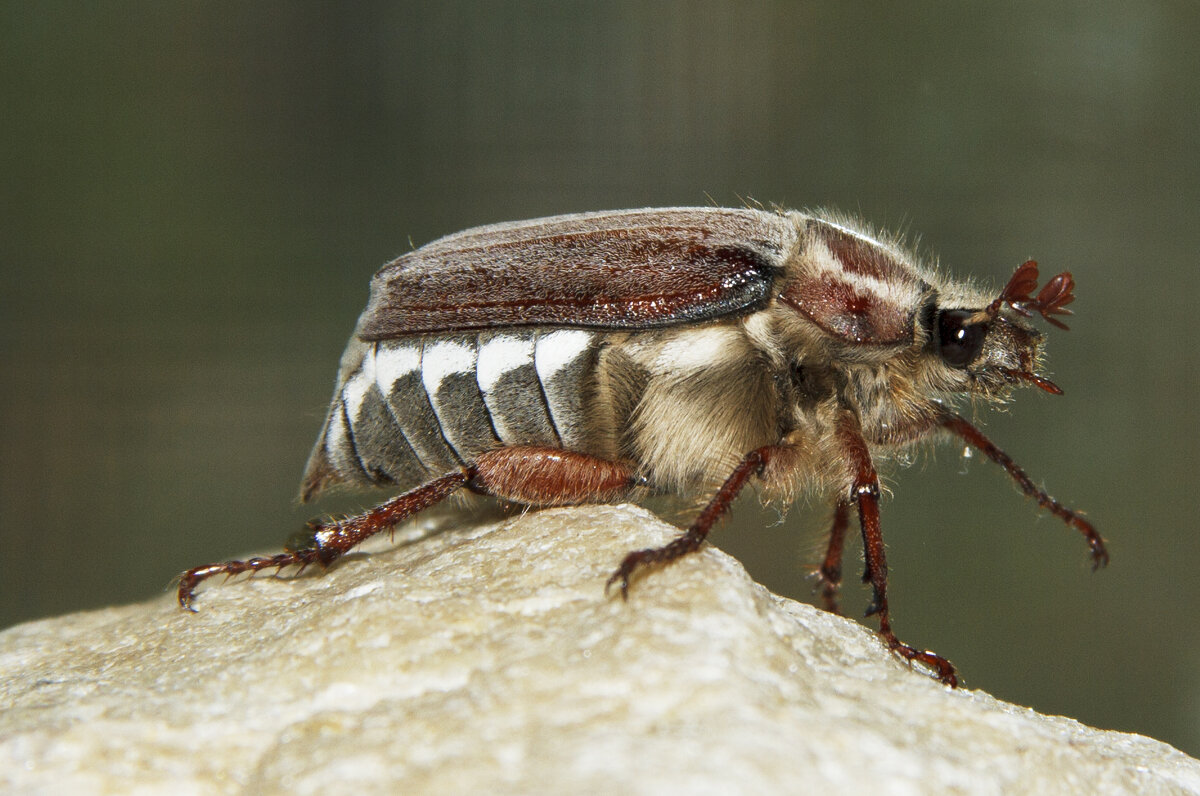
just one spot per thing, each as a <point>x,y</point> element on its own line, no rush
<point>1051,300</point>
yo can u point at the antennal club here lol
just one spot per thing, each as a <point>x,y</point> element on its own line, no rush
<point>1051,300</point>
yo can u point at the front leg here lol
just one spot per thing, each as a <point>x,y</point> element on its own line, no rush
<point>976,439</point>
<point>865,494</point>
<point>937,418</point>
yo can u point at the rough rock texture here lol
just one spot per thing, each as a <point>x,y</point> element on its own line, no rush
<point>488,660</point>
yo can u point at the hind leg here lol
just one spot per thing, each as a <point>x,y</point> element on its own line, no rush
<point>532,476</point>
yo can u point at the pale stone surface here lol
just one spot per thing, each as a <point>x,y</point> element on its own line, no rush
<point>488,660</point>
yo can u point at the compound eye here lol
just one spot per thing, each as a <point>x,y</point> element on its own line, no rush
<point>959,342</point>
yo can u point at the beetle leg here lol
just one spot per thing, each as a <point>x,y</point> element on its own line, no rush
<point>752,464</point>
<point>329,541</point>
<point>865,493</point>
<point>940,418</point>
<point>976,439</point>
<point>539,476</point>
<point>531,475</point>
<point>829,574</point>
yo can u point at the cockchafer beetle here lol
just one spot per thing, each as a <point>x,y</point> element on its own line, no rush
<point>599,357</point>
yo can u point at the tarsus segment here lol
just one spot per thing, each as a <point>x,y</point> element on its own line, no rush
<point>752,464</point>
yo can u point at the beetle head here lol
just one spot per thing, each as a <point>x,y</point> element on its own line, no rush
<point>995,347</point>
<point>872,303</point>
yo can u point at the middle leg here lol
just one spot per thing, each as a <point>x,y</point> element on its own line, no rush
<point>829,574</point>
<point>697,532</point>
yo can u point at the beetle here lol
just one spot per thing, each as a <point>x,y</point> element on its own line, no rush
<point>598,357</point>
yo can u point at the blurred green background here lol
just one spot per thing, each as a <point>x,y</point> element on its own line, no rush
<point>194,195</point>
